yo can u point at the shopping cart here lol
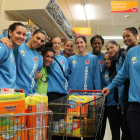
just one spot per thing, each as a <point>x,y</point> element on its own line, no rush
<point>20,131</point>
<point>74,118</point>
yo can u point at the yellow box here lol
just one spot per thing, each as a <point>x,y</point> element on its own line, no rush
<point>37,103</point>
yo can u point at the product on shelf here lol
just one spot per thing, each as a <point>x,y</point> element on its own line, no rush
<point>12,103</point>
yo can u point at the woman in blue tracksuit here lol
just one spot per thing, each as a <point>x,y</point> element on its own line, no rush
<point>68,48</point>
<point>17,35</point>
<point>48,55</point>
<point>84,72</point>
<point>111,110</point>
<point>97,43</point>
<point>130,40</point>
<point>113,50</point>
<point>130,69</point>
<point>29,61</point>
<point>57,73</point>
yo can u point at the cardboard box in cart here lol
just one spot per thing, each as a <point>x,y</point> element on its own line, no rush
<point>12,103</point>
<point>87,126</point>
<point>74,107</point>
<point>37,103</point>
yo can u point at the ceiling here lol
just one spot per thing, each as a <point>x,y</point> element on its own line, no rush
<point>104,22</point>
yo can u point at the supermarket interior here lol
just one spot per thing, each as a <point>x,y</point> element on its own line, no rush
<point>56,56</point>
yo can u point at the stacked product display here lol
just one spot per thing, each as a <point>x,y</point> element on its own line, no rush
<point>23,118</point>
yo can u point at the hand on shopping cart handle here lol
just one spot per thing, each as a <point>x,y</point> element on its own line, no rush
<point>105,91</point>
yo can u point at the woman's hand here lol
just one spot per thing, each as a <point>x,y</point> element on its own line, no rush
<point>7,42</point>
<point>37,75</point>
<point>105,91</point>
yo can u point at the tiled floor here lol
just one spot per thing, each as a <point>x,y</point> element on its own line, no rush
<point>107,132</point>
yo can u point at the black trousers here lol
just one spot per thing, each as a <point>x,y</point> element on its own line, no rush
<point>114,116</point>
<point>126,134</point>
<point>133,118</point>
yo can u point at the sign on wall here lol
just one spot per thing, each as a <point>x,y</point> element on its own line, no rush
<point>85,31</point>
<point>124,6</point>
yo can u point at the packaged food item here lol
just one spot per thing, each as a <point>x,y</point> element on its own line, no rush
<point>69,127</point>
<point>78,126</point>
<point>37,103</point>
<point>12,103</point>
<point>61,125</point>
<point>76,104</point>
<point>55,127</point>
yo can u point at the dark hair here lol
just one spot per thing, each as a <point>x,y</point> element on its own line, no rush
<point>133,30</point>
<point>112,42</point>
<point>47,47</point>
<point>97,36</point>
<point>108,54</point>
<point>13,26</point>
<point>83,37</point>
<point>69,40</point>
<point>54,37</point>
<point>39,30</point>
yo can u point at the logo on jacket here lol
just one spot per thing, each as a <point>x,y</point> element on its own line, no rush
<point>74,62</point>
<point>62,62</point>
<point>134,60</point>
<point>12,58</point>
<point>101,62</point>
<point>87,61</point>
<point>35,59</point>
<point>22,53</point>
<point>106,77</point>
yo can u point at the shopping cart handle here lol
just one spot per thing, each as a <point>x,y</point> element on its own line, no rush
<point>16,90</point>
<point>19,90</point>
<point>84,90</point>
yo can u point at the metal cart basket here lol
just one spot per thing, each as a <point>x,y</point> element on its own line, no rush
<point>15,127</point>
<point>78,114</point>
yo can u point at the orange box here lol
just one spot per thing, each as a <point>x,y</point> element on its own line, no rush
<point>12,103</point>
<point>74,107</point>
<point>37,103</point>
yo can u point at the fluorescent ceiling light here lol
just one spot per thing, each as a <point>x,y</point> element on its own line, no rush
<point>112,37</point>
<point>88,12</point>
<point>80,14</point>
<point>83,12</point>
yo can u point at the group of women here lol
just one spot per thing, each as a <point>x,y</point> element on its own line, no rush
<point>128,76</point>
<point>55,74</point>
